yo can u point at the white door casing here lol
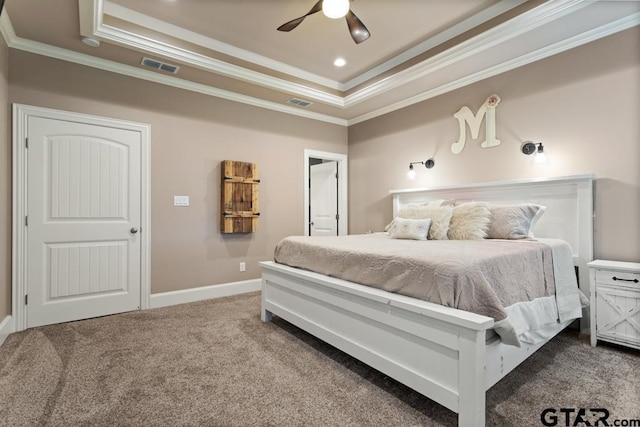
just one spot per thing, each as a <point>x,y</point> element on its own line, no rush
<point>341,159</point>
<point>323,188</point>
<point>82,184</point>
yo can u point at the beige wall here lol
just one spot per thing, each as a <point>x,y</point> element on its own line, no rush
<point>191,134</point>
<point>5,184</point>
<point>584,105</point>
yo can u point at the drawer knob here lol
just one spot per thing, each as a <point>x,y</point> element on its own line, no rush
<point>625,280</point>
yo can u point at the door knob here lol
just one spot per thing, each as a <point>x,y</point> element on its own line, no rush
<point>133,230</point>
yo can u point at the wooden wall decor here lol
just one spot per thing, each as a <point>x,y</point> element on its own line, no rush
<point>239,193</point>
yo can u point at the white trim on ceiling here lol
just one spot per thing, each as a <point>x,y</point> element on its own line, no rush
<point>542,53</point>
<point>145,44</point>
<point>6,29</point>
<point>125,14</point>
<point>442,37</point>
<point>520,26</point>
<point>43,49</point>
<point>136,18</point>
<point>523,24</point>
<point>216,66</point>
<point>475,46</point>
<point>92,12</point>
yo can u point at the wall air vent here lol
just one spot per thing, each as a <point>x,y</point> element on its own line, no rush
<point>299,102</point>
<point>162,66</point>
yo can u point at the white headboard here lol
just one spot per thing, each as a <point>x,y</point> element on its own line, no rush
<point>569,213</point>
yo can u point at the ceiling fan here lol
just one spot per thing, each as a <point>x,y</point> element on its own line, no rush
<point>334,9</point>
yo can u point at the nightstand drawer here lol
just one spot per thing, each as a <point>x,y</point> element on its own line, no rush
<point>621,278</point>
<point>618,314</point>
<point>615,302</point>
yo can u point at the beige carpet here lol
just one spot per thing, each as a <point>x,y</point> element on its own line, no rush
<point>215,363</point>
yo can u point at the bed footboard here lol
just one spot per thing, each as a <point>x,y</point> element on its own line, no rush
<point>435,350</point>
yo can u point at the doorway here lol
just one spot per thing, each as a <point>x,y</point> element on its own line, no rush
<point>325,193</point>
<point>80,216</point>
<point>323,197</point>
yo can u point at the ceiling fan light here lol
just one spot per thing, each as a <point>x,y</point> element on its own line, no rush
<point>335,9</point>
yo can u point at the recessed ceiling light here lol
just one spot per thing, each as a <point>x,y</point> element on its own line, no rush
<point>339,62</point>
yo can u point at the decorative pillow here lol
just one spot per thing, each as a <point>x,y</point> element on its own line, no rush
<point>409,208</point>
<point>439,216</point>
<point>412,211</point>
<point>514,221</point>
<point>415,229</point>
<point>470,221</point>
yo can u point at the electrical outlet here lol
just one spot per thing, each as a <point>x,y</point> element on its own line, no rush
<point>243,266</point>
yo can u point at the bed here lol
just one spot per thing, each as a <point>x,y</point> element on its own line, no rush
<point>450,356</point>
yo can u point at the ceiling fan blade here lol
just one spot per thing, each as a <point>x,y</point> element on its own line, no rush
<point>359,32</point>
<point>288,26</point>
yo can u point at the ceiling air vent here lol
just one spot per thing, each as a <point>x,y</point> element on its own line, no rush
<point>299,102</point>
<point>162,66</point>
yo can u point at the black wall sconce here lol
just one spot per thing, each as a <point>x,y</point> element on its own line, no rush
<point>427,164</point>
<point>537,149</point>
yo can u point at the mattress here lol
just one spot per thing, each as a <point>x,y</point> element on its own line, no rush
<point>525,286</point>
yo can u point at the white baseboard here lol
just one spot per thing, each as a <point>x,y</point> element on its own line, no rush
<point>6,327</point>
<point>165,299</point>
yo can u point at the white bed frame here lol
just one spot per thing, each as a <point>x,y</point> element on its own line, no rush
<point>446,354</point>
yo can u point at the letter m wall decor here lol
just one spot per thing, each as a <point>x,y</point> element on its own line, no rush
<point>465,116</point>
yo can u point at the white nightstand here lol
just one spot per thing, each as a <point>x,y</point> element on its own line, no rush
<point>615,302</point>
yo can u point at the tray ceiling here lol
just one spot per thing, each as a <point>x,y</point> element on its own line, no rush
<point>231,49</point>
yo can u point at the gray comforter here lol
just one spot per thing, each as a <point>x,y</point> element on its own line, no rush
<point>483,276</point>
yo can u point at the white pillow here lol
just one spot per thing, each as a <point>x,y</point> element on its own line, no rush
<point>415,229</point>
<point>514,221</point>
<point>470,221</point>
<point>439,216</point>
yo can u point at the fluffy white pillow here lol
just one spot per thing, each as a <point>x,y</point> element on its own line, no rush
<point>470,221</point>
<point>514,221</point>
<point>440,217</point>
<point>415,229</point>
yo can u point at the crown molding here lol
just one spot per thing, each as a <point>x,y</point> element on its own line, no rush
<point>97,29</point>
<point>442,37</point>
<point>525,59</point>
<point>14,42</point>
<point>154,24</point>
<point>130,71</point>
<point>137,18</point>
<point>91,24</point>
<point>6,29</point>
<point>475,46</point>
<point>216,66</point>
<point>526,23</point>
<point>442,63</point>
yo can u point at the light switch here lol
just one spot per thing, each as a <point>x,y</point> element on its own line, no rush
<point>180,200</point>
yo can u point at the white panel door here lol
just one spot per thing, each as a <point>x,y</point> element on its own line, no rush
<point>83,244</point>
<point>324,199</point>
